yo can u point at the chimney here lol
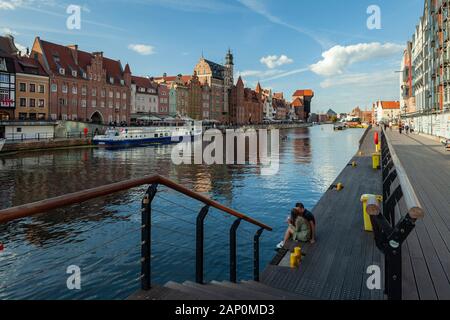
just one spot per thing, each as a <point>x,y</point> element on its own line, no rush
<point>74,49</point>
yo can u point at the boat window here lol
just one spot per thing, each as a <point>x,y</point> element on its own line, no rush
<point>167,134</point>
<point>156,136</point>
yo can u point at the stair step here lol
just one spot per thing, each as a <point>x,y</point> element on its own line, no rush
<point>250,292</point>
<point>190,291</point>
<point>285,295</point>
<point>161,293</point>
<point>207,289</point>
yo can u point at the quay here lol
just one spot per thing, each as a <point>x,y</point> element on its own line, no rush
<point>413,258</point>
<point>334,268</point>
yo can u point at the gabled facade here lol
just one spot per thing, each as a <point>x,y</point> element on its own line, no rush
<point>85,86</point>
<point>220,79</point>
<point>32,84</point>
<point>8,54</point>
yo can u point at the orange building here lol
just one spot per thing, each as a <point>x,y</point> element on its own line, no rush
<point>306,97</point>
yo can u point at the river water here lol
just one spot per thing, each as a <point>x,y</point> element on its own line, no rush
<point>102,237</point>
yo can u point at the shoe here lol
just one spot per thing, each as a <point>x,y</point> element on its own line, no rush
<point>280,245</point>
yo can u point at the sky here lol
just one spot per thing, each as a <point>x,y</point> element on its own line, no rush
<point>325,45</point>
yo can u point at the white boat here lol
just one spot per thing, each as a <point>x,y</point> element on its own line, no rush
<point>2,143</point>
<point>132,137</point>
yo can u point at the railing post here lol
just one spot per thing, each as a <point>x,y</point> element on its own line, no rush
<point>146,237</point>
<point>233,263</point>
<point>200,245</point>
<point>256,254</point>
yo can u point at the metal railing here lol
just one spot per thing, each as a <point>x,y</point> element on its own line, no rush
<point>28,210</point>
<point>16,137</point>
<point>398,196</point>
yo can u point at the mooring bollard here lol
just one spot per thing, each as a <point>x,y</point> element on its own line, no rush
<point>370,200</point>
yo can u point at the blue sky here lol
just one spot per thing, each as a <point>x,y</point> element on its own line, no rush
<point>285,44</point>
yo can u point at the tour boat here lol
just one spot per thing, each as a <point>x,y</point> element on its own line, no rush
<point>134,137</point>
<point>2,143</point>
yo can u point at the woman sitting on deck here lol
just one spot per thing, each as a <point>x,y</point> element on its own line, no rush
<point>298,230</point>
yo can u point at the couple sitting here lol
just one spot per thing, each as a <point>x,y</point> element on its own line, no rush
<point>302,226</point>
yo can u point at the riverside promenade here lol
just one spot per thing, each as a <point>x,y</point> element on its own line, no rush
<point>426,253</point>
<point>335,268</point>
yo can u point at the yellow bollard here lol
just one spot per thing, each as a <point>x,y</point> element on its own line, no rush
<point>376,160</point>
<point>294,261</point>
<point>377,148</point>
<point>365,199</point>
<point>339,187</point>
<point>298,254</point>
<point>354,164</point>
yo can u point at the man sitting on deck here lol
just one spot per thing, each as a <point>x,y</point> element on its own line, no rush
<point>311,220</point>
<point>299,228</point>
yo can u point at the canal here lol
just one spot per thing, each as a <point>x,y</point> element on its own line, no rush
<point>102,237</point>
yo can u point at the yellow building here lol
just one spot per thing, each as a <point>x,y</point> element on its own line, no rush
<point>32,90</point>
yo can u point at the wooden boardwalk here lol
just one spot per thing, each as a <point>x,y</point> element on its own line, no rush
<point>426,254</point>
<point>335,267</point>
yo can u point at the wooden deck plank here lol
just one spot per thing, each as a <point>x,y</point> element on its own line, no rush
<point>428,168</point>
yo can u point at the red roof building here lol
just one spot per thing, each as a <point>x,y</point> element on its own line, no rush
<point>85,86</point>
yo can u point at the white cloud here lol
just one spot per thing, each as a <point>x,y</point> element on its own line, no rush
<point>21,48</point>
<point>274,61</point>
<point>362,79</point>
<point>142,49</point>
<point>9,4</point>
<point>8,31</point>
<point>338,58</point>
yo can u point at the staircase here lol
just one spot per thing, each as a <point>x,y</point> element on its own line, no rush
<point>245,290</point>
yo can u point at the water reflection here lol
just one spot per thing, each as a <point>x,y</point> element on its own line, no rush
<point>310,159</point>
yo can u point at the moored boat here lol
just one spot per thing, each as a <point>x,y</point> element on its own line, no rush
<point>135,137</point>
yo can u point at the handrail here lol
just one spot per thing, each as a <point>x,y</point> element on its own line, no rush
<point>27,210</point>
<point>412,201</point>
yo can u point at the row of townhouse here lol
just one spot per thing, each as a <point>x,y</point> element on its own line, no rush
<point>54,83</point>
<point>425,73</point>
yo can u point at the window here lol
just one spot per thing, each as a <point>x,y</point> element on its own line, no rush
<point>103,93</point>
<point>94,92</point>
<point>102,104</point>
<point>22,116</point>
<point>65,88</point>
<point>94,103</point>
<point>74,102</point>
<point>62,102</point>
<point>54,87</point>
<point>32,103</point>
<point>117,95</point>
<point>74,74</point>
<point>84,90</point>
<point>41,116</point>
<point>41,103</point>
<point>111,80</point>
<point>122,82</point>
<point>62,71</point>
<point>23,102</point>
<point>83,103</point>
<point>32,116</point>
<point>4,78</point>
<point>32,87</point>
<point>41,88</point>
<point>23,87</point>
<point>111,94</point>
<point>124,96</point>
